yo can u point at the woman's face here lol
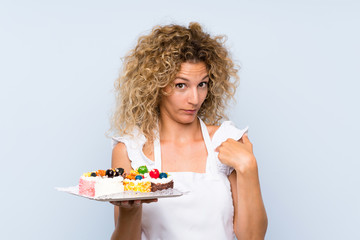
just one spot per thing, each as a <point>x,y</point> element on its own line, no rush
<point>189,92</point>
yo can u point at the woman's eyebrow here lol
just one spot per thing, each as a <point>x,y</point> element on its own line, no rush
<point>205,77</point>
<point>185,79</point>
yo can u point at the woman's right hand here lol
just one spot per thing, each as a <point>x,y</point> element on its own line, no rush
<point>127,214</point>
<point>132,203</point>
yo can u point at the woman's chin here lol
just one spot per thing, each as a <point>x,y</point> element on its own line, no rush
<point>187,119</point>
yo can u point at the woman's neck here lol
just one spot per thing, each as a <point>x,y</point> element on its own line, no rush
<point>172,131</point>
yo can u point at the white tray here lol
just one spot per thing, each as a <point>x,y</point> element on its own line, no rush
<point>124,196</point>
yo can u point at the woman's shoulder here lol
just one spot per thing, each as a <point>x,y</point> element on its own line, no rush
<point>225,130</point>
<point>120,148</point>
<point>131,146</point>
<point>120,157</point>
<point>212,129</point>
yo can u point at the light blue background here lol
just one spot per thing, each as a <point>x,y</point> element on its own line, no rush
<point>298,93</point>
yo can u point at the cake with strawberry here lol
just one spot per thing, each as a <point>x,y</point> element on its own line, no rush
<point>143,180</point>
<point>101,182</point>
<point>160,181</point>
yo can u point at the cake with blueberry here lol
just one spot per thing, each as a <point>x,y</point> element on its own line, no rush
<point>101,182</point>
<point>160,181</point>
<point>136,182</point>
<point>143,180</point>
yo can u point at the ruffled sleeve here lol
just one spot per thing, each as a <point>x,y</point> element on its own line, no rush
<point>134,144</point>
<point>225,131</point>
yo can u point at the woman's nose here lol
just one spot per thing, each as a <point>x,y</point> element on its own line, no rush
<point>193,97</point>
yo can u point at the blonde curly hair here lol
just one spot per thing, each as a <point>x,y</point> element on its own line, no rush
<point>154,63</point>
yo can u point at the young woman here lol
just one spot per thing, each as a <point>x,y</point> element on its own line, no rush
<point>171,98</point>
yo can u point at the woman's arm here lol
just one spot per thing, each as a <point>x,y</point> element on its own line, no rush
<point>250,220</point>
<point>127,214</point>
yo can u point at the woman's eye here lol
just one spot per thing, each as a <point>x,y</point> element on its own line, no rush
<point>180,85</point>
<point>203,84</point>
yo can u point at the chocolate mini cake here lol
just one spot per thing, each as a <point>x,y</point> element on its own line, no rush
<point>161,186</point>
<point>160,181</point>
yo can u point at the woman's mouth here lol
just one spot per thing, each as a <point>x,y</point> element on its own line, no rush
<point>190,111</point>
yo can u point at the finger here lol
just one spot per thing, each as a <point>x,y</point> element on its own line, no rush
<point>149,200</point>
<point>245,138</point>
<point>217,149</point>
<point>116,203</point>
<point>125,204</point>
<point>137,203</point>
<point>224,144</point>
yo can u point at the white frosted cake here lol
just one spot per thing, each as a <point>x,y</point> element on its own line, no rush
<point>101,182</point>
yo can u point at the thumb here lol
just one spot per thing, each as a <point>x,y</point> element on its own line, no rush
<point>245,138</point>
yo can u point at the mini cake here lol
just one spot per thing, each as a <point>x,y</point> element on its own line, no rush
<point>160,181</point>
<point>137,185</point>
<point>135,181</point>
<point>144,181</point>
<point>101,182</point>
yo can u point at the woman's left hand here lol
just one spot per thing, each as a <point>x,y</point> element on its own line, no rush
<point>237,154</point>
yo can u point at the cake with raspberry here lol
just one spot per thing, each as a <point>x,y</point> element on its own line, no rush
<point>101,182</point>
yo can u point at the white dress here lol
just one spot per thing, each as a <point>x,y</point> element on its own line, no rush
<point>205,211</point>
